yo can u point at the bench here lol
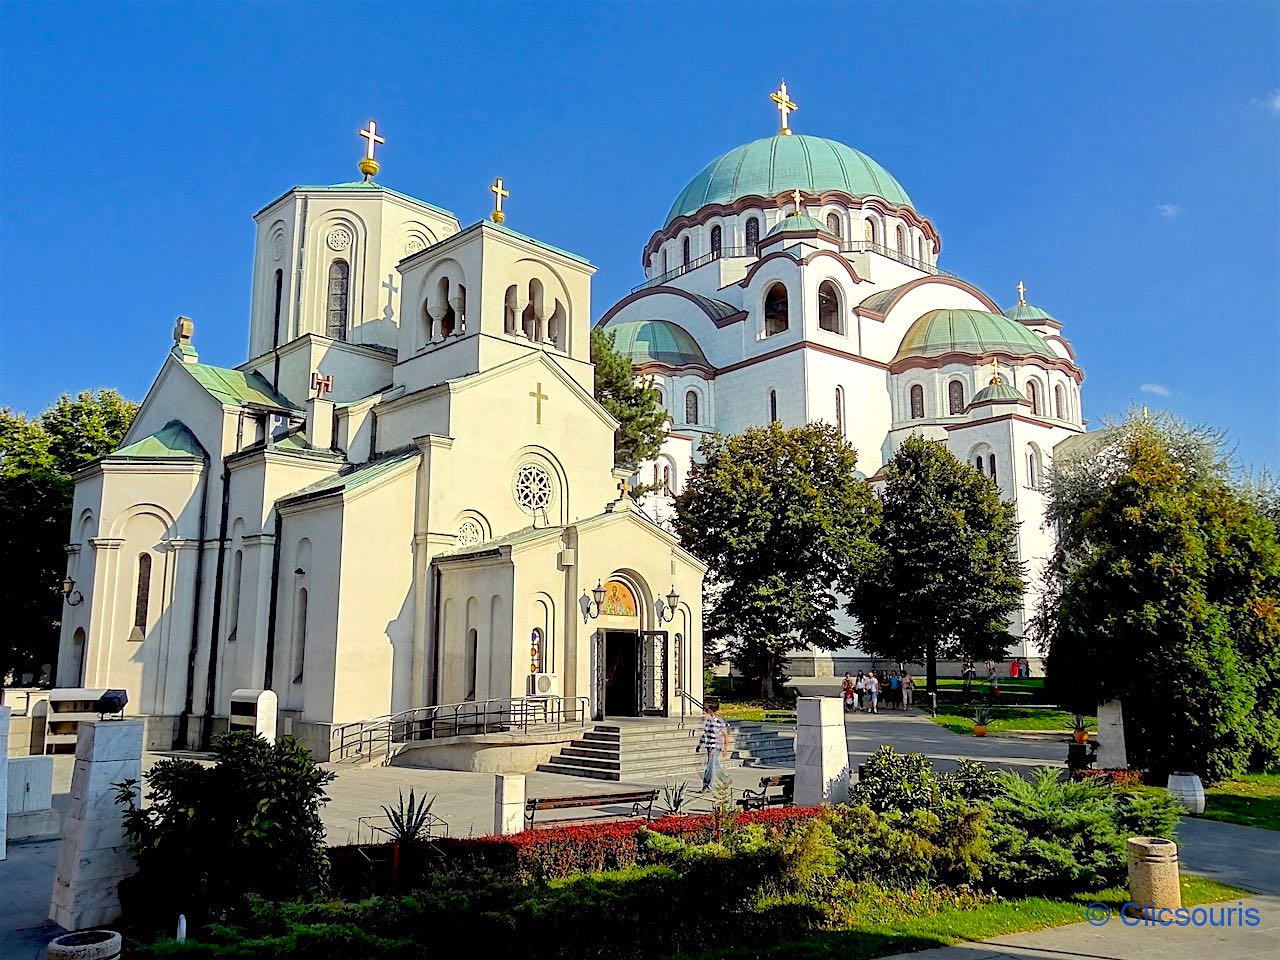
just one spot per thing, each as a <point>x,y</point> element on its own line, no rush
<point>639,799</point>
<point>759,799</point>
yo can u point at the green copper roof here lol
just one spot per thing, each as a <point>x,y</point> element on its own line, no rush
<point>173,440</point>
<point>774,164</point>
<point>237,388</point>
<point>793,224</point>
<point>975,332</point>
<point>656,340</point>
<point>352,477</point>
<point>999,393</point>
<point>1028,313</point>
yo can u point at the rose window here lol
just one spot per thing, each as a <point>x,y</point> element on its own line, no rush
<point>469,533</point>
<point>532,487</point>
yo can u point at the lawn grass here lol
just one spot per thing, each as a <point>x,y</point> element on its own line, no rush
<point>960,720</point>
<point>952,925</point>
<point>1253,800</point>
<point>1022,684</point>
<point>756,711</point>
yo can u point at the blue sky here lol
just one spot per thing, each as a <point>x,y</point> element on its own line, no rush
<point>1122,159</point>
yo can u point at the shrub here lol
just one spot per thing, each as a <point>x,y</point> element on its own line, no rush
<point>947,845</point>
<point>895,781</point>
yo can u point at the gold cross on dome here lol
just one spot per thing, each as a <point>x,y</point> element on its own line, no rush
<point>795,198</point>
<point>785,106</point>
<point>498,193</point>
<point>1022,294</point>
<point>995,373</point>
<point>538,397</point>
<point>371,134</point>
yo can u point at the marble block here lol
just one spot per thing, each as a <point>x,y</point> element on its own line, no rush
<point>110,740</point>
<point>508,803</point>
<point>5,713</point>
<point>822,752</point>
<point>1112,754</point>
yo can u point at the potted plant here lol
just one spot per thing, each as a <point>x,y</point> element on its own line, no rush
<point>1080,728</point>
<point>981,717</point>
<point>673,798</point>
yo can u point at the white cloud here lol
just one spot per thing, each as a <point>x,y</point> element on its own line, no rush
<point>1168,210</point>
<point>1273,102</point>
<point>1159,389</point>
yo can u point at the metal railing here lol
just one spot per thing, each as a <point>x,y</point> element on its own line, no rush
<point>364,738</point>
<point>687,698</point>
<point>866,246</point>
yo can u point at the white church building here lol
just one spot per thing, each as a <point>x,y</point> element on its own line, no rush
<point>794,280</point>
<point>406,496</point>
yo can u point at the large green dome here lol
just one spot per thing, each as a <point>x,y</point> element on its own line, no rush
<point>645,341</point>
<point>775,164</point>
<point>974,332</point>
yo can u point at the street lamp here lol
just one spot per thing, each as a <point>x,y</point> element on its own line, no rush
<point>70,594</point>
<point>597,599</point>
<point>667,612</point>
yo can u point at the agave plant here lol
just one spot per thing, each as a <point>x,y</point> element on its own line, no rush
<point>673,796</point>
<point>1079,723</point>
<point>981,717</point>
<point>407,823</point>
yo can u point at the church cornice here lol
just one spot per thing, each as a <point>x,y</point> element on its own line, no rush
<point>720,320</point>
<point>984,359</point>
<point>1034,421</point>
<point>802,345</point>
<point>903,289</point>
<point>800,261</point>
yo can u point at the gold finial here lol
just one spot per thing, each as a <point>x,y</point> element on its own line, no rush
<point>995,373</point>
<point>498,193</point>
<point>1146,414</point>
<point>795,198</point>
<point>785,106</point>
<point>1022,294</point>
<point>369,166</point>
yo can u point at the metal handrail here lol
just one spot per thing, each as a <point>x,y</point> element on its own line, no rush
<point>470,717</point>
<point>685,695</point>
<point>866,246</point>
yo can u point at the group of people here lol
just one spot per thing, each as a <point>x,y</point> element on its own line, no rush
<point>1018,667</point>
<point>865,692</point>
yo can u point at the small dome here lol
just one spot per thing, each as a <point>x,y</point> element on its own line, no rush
<point>660,341</point>
<point>1028,313</point>
<point>974,332</point>
<point>998,393</point>
<point>800,224</point>
<point>773,165</point>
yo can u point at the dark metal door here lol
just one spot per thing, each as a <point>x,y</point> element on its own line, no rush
<point>652,693</point>
<point>597,646</point>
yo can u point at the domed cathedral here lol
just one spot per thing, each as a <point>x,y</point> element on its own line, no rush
<point>403,500</point>
<point>795,280</point>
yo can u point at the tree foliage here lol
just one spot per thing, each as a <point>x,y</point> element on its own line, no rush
<point>633,401</point>
<point>780,518</point>
<point>945,576</point>
<point>1163,592</point>
<point>38,455</point>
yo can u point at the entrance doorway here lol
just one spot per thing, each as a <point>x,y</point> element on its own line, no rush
<point>634,672</point>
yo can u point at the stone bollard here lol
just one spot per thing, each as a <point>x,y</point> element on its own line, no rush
<point>87,945</point>
<point>822,752</point>
<point>1153,873</point>
<point>508,803</point>
<point>1187,789</point>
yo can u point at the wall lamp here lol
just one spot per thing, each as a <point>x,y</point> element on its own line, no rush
<point>70,594</point>
<point>597,599</point>
<point>667,612</point>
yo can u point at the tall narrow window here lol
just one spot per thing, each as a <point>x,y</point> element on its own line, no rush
<point>977,463</point>
<point>666,481</point>
<point>339,291</point>
<point>869,231</point>
<point>955,397</point>
<point>1060,402</point>
<point>833,223</point>
<point>773,406</point>
<point>716,240</point>
<point>775,310</point>
<point>691,407</point>
<point>1033,394</point>
<point>300,635</point>
<point>917,402</point>
<point>538,649</point>
<point>753,234</point>
<point>677,649</point>
<point>920,250</point>
<point>142,597</point>
<point>902,242</point>
<point>991,462</point>
<point>472,662</point>
<point>840,410</point>
<point>829,317</point>
<point>1031,469</point>
<point>233,601</point>
<point>684,251</point>
<point>275,315</point>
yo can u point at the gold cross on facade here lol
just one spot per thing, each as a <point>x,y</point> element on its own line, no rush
<point>538,397</point>
<point>1022,294</point>
<point>369,166</point>
<point>498,193</point>
<point>785,106</point>
<point>795,198</point>
<point>624,488</point>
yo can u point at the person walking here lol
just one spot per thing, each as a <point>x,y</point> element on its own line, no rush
<point>715,741</point>
<point>873,693</point>
<point>908,691</point>
<point>895,690</point>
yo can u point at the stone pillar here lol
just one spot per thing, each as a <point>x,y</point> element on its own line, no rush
<point>1153,873</point>
<point>1111,749</point>
<point>94,855</point>
<point>5,713</point>
<point>822,752</point>
<point>508,803</point>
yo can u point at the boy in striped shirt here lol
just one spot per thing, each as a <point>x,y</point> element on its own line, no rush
<point>715,740</point>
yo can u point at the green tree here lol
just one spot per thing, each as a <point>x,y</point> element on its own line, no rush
<point>945,577</point>
<point>780,518</point>
<point>37,458</point>
<point>633,401</point>
<point>1162,591</point>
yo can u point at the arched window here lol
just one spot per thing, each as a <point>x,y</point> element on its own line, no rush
<point>775,310</point>
<point>869,231</point>
<point>1059,402</point>
<point>991,462</point>
<point>677,650</point>
<point>773,406</point>
<point>666,481</point>
<point>537,651</point>
<point>472,661</point>
<point>840,410</point>
<point>300,635</point>
<point>829,307</point>
<point>339,290</point>
<point>917,402</point>
<point>684,251</point>
<point>233,601</point>
<point>1033,468</point>
<point>665,268</point>
<point>977,463</point>
<point>691,407</point>
<point>76,679</point>
<point>833,223</point>
<point>955,397</point>
<point>753,233</point>
<point>276,312</point>
<point>1033,394</point>
<point>716,241</point>
<point>902,242</point>
<point>142,597</point>
<point>920,249</point>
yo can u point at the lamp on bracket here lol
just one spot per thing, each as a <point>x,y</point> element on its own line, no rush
<point>667,611</point>
<point>597,600</point>
<point>70,594</point>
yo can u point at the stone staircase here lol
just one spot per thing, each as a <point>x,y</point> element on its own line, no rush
<point>658,749</point>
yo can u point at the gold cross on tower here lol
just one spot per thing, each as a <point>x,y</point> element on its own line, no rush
<point>538,397</point>
<point>785,106</point>
<point>369,166</point>
<point>795,198</point>
<point>1022,294</point>
<point>624,488</point>
<point>498,193</point>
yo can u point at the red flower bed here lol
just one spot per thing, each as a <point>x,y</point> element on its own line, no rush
<point>1118,776</point>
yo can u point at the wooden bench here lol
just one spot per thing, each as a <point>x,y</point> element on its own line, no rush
<point>759,799</point>
<point>639,800</point>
